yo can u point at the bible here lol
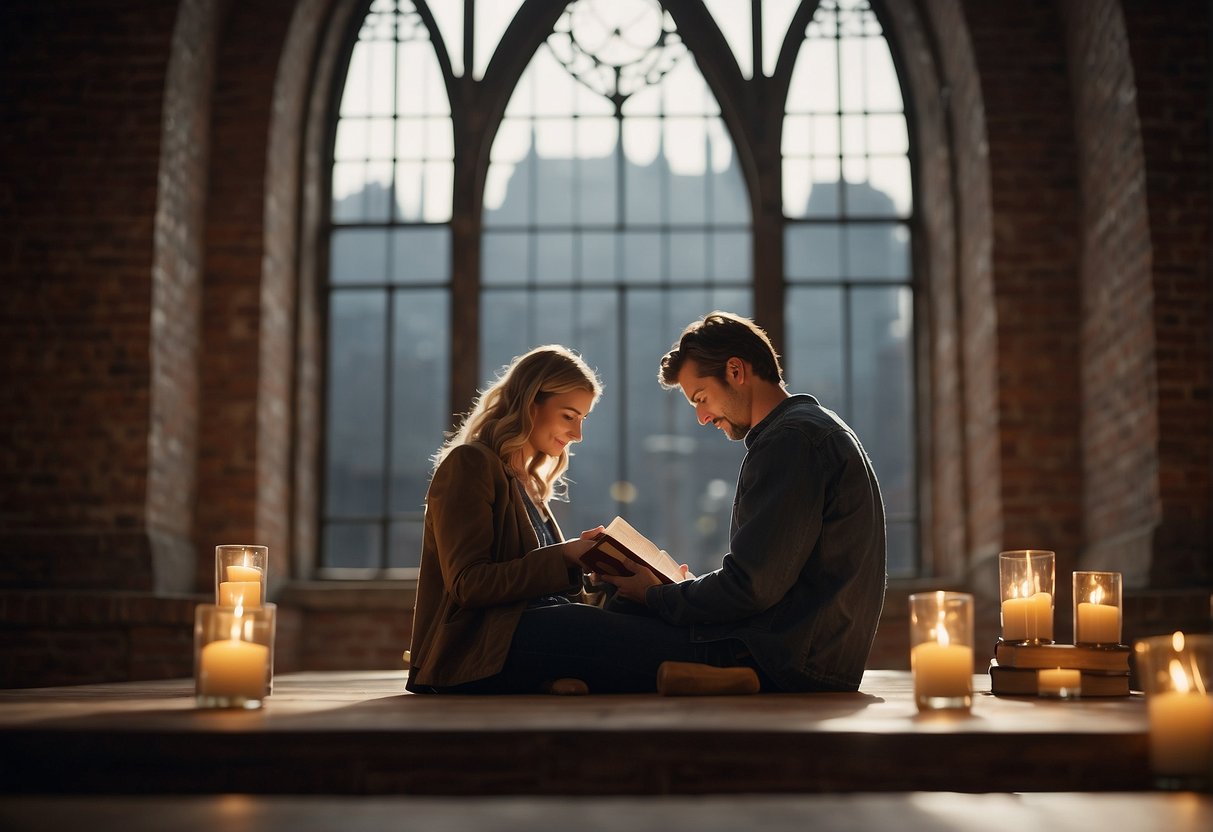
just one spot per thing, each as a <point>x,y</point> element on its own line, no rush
<point>620,550</point>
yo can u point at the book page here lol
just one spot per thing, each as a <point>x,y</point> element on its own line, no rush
<point>627,536</point>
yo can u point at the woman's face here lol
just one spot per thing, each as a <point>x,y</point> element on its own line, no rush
<point>557,422</point>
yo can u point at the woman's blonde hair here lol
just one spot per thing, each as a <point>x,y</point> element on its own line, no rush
<point>501,416</point>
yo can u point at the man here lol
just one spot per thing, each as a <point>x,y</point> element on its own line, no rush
<point>799,594</point>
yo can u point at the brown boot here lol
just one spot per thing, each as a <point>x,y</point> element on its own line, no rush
<point>567,687</point>
<point>694,679</point>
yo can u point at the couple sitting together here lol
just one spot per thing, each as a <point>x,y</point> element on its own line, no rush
<point>795,602</point>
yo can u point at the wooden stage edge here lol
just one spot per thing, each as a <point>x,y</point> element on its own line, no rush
<point>359,733</point>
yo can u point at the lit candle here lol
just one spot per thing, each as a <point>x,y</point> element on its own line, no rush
<point>1097,622</point>
<point>234,668</point>
<point>1028,617</point>
<point>942,670</point>
<point>242,587</point>
<point>1181,722</point>
<point>1060,681</point>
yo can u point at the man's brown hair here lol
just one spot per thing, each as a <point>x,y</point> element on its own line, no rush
<point>715,338</point>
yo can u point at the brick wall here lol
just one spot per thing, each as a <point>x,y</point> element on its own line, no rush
<point>151,216</point>
<point>1172,70</point>
<point>82,139</point>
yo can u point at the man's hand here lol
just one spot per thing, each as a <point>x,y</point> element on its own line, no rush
<point>633,587</point>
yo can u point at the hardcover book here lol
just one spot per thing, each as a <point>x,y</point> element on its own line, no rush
<point>1113,659</point>
<point>1016,681</point>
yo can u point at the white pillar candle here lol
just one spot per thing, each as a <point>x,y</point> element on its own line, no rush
<point>233,668</point>
<point>1059,681</point>
<point>1097,624</point>
<point>240,593</point>
<point>1181,733</point>
<point>1029,618</point>
<point>942,671</point>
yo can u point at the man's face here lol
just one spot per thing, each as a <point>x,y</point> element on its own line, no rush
<point>716,402</point>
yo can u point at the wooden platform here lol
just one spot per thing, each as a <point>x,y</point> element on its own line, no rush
<point>358,733</point>
<point>915,812</point>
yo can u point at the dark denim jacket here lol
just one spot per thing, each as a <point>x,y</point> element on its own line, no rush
<point>804,582</point>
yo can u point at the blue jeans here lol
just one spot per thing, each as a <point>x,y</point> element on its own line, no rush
<point>612,652</point>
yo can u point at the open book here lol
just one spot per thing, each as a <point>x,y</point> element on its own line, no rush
<point>620,550</point>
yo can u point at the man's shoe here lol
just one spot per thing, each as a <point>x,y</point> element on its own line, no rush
<point>694,679</point>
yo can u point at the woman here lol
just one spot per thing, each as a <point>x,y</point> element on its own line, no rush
<point>486,514</point>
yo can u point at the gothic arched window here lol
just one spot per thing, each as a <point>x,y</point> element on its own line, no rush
<point>613,196</point>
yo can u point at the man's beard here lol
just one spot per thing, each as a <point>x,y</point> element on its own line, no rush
<point>733,430</point>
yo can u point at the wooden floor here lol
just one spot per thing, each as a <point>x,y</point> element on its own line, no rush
<point>358,733</point>
<point>915,812</point>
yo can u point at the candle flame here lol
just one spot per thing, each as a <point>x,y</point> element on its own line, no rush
<point>1177,641</point>
<point>1179,679</point>
<point>237,619</point>
<point>1096,595</point>
<point>941,630</point>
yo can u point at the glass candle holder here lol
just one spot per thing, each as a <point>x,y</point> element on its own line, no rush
<point>240,573</point>
<point>1174,672</point>
<point>1025,582</point>
<point>1097,608</point>
<point>1059,683</point>
<point>941,650</point>
<point>233,655</point>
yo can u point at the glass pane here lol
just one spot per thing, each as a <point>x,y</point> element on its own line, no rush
<point>420,90</point>
<point>776,17</point>
<point>731,257</point>
<point>795,138</point>
<point>797,182</point>
<point>643,260</point>
<point>504,257</point>
<point>449,16</point>
<point>506,329</point>
<point>814,361</point>
<point>423,191</point>
<point>902,547</point>
<point>812,252</point>
<point>491,20</point>
<point>363,139</point>
<point>352,545</point>
<point>368,86</point>
<point>404,550</point>
<point>598,257</point>
<point>824,198</point>
<point>729,197</point>
<point>420,393</point>
<point>645,172</point>
<point>887,135</point>
<point>421,254</point>
<point>419,139</point>
<point>882,391</point>
<point>358,255</point>
<point>877,250</point>
<point>361,192</point>
<point>814,84</point>
<point>688,257</point>
<point>597,186</point>
<point>883,93</point>
<point>554,257</point>
<point>892,177</point>
<point>733,18</point>
<point>355,446</point>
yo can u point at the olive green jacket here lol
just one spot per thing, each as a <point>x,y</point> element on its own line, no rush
<point>476,574</point>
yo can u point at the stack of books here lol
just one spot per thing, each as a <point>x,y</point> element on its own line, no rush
<point>1104,670</point>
